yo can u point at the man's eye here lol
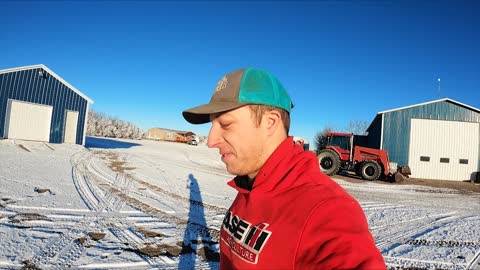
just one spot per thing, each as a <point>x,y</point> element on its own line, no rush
<point>225,125</point>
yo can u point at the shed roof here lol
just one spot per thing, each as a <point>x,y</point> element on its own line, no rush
<point>378,115</point>
<point>434,101</point>
<point>51,73</point>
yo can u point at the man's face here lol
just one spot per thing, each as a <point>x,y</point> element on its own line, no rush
<point>240,143</point>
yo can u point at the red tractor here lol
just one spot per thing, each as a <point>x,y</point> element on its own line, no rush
<point>343,153</point>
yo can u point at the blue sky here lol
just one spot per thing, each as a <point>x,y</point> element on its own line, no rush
<point>341,61</point>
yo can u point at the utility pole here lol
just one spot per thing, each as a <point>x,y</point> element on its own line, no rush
<point>438,90</point>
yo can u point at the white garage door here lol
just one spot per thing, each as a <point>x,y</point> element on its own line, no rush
<point>28,121</point>
<point>443,149</point>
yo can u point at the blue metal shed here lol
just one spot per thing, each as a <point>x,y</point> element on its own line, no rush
<point>437,139</point>
<point>37,104</point>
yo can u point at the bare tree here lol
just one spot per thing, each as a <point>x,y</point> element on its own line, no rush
<point>358,127</point>
<point>91,123</point>
<point>321,139</point>
<point>100,124</point>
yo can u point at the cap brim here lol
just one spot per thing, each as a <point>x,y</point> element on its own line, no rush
<point>201,114</point>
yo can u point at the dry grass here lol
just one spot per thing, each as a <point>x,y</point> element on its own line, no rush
<point>149,234</point>
<point>28,265</point>
<point>119,166</point>
<point>96,235</point>
<point>27,217</point>
<point>114,162</point>
<point>82,240</point>
<point>152,251</point>
<point>158,250</point>
<point>180,248</point>
<point>42,190</point>
<point>4,201</point>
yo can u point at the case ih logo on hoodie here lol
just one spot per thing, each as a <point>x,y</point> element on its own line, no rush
<point>243,238</point>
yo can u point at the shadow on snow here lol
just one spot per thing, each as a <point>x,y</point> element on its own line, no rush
<point>105,143</point>
<point>197,232</point>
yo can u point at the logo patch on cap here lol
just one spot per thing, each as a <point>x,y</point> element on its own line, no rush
<point>222,84</point>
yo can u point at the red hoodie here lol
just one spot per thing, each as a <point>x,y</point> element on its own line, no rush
<point>295,217</point>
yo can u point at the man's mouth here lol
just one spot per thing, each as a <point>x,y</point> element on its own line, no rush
<point>225,156</point>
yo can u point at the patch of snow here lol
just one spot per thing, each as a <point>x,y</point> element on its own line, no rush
<point>142,194</point>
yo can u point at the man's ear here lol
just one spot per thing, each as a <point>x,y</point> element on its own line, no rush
<point>273,121</point>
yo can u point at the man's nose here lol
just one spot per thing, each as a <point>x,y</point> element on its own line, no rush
<point>213,136</point>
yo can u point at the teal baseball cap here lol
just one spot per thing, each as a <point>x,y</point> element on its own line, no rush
<point>239,88</point>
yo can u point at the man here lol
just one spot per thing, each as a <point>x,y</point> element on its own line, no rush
<point>287,214</point>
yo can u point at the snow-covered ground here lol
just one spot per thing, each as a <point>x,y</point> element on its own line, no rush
<point>124,204</point>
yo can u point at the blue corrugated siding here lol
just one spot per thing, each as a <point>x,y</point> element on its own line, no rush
<point>28,86</point>
<point>396,125</point>
<point>375,132</point>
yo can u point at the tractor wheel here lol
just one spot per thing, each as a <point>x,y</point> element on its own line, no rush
<point>329,162</point>
<point>370,170</point>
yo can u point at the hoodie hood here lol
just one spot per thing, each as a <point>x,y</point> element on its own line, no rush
<point>282,169</point>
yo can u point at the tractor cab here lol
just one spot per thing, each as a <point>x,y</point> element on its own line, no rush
<point>342,143</point>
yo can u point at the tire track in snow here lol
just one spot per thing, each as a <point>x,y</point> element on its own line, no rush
<point>372,206</point>
<point>136,159</point>
<point>185,201</point>
<point>212,170</point>
<point>62,251</point>
<point>408,237</point>
<point>130,235</point>
<point>168,207</point>
<point>178,222</point>
<point>113,200</point>
<point>409,232</point>
<point>173,197</point>
<point>443,243</point>
<point>396,263</point>
<point>88,198</point>
<point>475,262</point>
<point>177,202</point>
<point>389,236</point>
